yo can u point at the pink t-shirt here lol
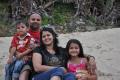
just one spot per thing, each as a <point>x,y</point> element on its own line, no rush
<point>74,67</point>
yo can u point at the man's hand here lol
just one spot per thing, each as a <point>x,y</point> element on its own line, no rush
<point>35,45</point>
<point>10,60</point>
<point>19,55</point>
<point>26,58</point>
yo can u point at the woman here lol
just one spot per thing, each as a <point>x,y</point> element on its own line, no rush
<point>49,60</point>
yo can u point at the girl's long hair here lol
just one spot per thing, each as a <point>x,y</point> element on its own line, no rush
<point>81,54</point>
<point>55,40</point>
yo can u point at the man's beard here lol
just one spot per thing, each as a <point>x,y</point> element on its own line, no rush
<point>34,26</point>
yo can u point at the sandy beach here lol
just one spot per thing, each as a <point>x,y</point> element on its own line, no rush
<point>103,44</point>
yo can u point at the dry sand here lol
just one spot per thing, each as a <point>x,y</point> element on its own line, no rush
<point>103,44</point>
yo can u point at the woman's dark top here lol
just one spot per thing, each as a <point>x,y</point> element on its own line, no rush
<point>58,59</point>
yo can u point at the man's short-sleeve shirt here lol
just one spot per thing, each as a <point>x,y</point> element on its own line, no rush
<point>35,35</point>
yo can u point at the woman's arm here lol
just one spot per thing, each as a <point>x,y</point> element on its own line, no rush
<point>25,53</point>
<point>37,63</point>
<point>92,77</point>
<point>92,69</point>
<point>87,75</point>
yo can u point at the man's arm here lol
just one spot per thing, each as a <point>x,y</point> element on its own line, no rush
<point>20,55</point>
<point>11,54</point>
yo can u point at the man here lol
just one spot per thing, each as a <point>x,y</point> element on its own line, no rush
<point>34,23</point>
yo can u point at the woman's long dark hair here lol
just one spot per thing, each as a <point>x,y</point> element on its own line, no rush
<point>55,40</point>
<point>81,54</point>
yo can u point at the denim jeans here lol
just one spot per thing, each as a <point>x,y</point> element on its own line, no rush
<point>69,76</point>
<point>9,70</point>
<point>54,72</point>
<point>13,70</point>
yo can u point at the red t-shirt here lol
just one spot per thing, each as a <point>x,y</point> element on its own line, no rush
<point>22,44</point>
<point>35,35</point>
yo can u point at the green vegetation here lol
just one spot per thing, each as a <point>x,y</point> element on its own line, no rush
<point>60,15</point>
<point>3,10</point>
<point>4,24</point>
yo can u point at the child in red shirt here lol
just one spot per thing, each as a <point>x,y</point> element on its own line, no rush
<point>20,53</point>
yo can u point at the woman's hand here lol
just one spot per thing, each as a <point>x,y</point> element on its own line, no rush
<point>92,60</point>
<point>83,75</point>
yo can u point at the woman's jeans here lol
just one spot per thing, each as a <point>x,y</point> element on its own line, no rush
<point>54,72</point>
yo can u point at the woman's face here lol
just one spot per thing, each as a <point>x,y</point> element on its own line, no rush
<point>74,49</point>
<point>47,38</point>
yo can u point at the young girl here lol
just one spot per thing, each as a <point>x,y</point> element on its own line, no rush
<point>77,62</point>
